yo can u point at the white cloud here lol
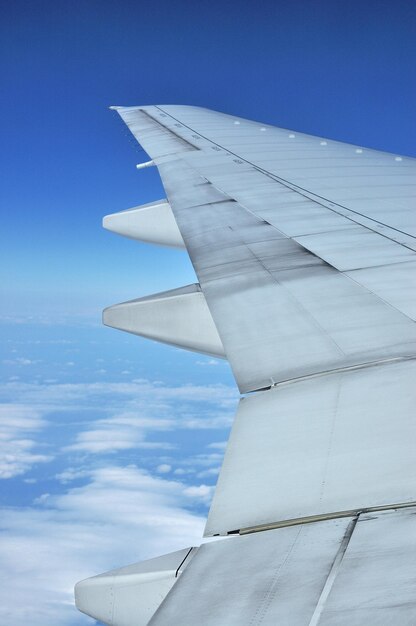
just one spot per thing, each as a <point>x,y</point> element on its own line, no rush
<point>217,445</point>
<point>20,361</point>
<point>212,471</point>
<point>123,417</point>
<point>121,515</point>
<point>210,462</point>
<point>209,362</point>
<point>111,439</point>
<point>71,474</point>
<point>164,468</point>
<point>18,449</point>
<point>180,471</point>
<point>139,393</point>
<point>203,492</point>
<point>205,460</point>
<point>63,538</point>
<point>124,414</point>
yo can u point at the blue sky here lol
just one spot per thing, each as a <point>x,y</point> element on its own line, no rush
<point>101,434</point>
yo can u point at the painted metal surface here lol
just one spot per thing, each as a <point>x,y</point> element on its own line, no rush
<point>153,223</point>
<point>305,251</point>
<point>130,595</point>
<point>179,317</point>
<point>378,185</point>
<point>342,572</point>
<point>269,578</point>
<point>376,580</point>
<point>340,442</point>
<point>369,249</point>
<point>345,572</point>
<point>281,311</point>
<point>279,298</point>
<point>395,284</point>
<point>350,177</point>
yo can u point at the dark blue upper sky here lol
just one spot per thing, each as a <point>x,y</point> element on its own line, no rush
<point>340,69</point>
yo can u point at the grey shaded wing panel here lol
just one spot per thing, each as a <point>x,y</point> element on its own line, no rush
<point>385,183</point>
<point>345,572</point>
<point>297,285</point>
<point>395,284</point>
<point>376,580</point>
<point>321,446</point>
<point>369,249</point>
<point>221,204</point>
<point>155,138</point>
<point>281,311</point>
<point>274,577</point>
<point>379,185</point>
<point>305,253</point>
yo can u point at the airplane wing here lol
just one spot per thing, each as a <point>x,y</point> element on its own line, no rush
<point>305,252</point>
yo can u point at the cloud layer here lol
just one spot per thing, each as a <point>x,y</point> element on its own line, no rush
<point>101,510</point>
<point>121,515</point>
<point>19,448</point>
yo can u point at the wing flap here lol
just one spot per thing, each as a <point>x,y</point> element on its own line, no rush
<point>269,578</point>
<point>322,446</point>
<point>353,571</point>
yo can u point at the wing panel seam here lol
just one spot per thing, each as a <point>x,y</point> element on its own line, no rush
<point>305,192</point>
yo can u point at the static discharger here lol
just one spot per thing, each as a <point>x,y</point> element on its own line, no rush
<point>141,166</point>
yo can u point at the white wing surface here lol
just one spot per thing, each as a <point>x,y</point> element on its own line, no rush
<point>305,252</point>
